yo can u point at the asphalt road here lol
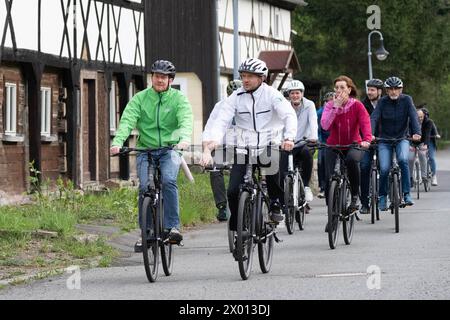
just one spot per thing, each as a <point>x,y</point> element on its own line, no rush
<point>413,264</point>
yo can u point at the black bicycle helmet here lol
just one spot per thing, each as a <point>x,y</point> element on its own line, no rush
<point>164,67</point>
<point>393,82</point>
<point>376,83</point>
<point>233,85</point>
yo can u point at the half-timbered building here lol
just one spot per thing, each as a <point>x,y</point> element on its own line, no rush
<point>69,67</point>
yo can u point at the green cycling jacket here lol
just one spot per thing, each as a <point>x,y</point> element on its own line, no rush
<point>162,119</point>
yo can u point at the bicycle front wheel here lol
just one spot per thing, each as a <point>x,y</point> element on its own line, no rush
<point>244,241</point>
<point>266,236</point>
<point>373,196</point>
<point>150,239</point>
<point>289,203</point>
<point>348,221</point>
<point>166,246</point>
<point>417,178</point>
<point>396,200</point>
<point>333,214</point>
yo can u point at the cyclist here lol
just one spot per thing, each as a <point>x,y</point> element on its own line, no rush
<point>348,122</point>
<point>262,115</point>
<point>216,177</point>
<point>306,127</point>
<point>432,147</point>
<point>323,136</point>
<point>394,113</point>
<point>374,92</point>
<point>163,117</point>
<point>426,126</point>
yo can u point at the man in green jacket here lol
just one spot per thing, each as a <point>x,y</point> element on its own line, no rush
<point>163,117</point>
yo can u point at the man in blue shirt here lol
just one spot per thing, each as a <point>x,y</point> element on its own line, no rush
<point>394,115</point>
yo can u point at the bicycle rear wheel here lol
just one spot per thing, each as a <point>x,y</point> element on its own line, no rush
<point>396,200</point>
<point>231,237</point>
<point>150,239</point>
<point>301,197</point>
<point>348,221</point>
<point>266,236</point>
<point>333,214</point>
<point>244,241</point>
<point>166,247</point>
<point>289,203</point>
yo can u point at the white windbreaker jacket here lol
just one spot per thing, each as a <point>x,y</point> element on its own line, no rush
<point>263,116</point>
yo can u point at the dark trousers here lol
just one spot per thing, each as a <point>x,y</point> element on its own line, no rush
<point>237,178</point>
<point>218,188</point>
<point>302,158</point>
<point>365,165</point>
<point>352,159</point>
<point>321,169</point>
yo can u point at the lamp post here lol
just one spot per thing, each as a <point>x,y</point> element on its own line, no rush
<point>381,52</point>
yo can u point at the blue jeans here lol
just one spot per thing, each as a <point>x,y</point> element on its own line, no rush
<point>169,161</point>
<point>365,166</point>
<point>432,157</point>
<point>385,158</point>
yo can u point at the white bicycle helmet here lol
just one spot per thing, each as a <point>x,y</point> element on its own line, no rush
<point>253,65</point>
<point>296,85</point>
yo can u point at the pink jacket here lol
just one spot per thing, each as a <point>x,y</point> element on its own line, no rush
<point>347,124</point>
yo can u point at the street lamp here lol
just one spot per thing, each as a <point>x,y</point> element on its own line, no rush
<point>381,52</point>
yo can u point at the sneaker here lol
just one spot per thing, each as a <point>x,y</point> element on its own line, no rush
<point>222,214</point>
<point>364,209</point>
<point>382,203</point>
<point>434,181</point>
<point>275,212</point>
<point>321,195</point>
<point>408,199</point>
<point>138,246</point>
<point>175,235</point>
<point>354,205</point>
<point>308,194</point>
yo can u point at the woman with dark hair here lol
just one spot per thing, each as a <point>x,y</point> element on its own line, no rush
<point>347,120</point>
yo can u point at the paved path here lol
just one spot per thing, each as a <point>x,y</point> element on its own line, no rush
<point>414,264</point>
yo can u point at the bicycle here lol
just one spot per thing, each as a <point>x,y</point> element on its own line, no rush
<point>395,185</point>
<point>253,223</point>
<point>373,186</point>
<point>339,198</point>
<point>294,193</point>
<point>152,230</point>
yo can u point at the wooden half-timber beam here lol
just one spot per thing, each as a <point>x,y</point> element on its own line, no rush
<point>33,72</point>
<point>123,81</point>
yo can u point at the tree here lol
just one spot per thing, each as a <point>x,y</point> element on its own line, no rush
<point>332,40</point>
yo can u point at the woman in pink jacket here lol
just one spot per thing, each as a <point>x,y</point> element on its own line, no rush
<point>347,120</point>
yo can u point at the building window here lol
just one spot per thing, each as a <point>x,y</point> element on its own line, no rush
<point>46,111</point>
<point>112,107</point>
<point>276,28</point>
<point>11,108</point>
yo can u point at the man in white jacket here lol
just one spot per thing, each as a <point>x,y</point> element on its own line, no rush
<point>262,116</point>
<point>307,127</point>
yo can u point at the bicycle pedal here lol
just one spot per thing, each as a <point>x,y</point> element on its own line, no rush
<point>277,240</point>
